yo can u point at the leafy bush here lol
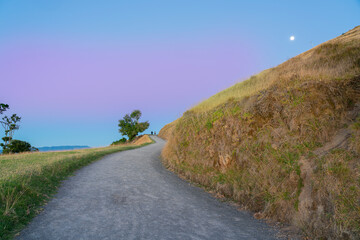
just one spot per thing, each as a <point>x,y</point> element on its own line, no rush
<point>120,141</point>
<point>18,146</point>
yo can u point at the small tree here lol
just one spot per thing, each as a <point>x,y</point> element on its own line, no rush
<point>130,125</point>
<point>10,125</point>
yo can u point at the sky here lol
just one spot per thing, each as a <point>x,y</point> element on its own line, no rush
<point>72,68</point>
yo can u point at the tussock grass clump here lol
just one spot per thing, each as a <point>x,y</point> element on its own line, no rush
<point>28,180</point>
<point>288,148</point>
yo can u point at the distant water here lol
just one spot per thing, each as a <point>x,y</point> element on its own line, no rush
<point>60,148</point>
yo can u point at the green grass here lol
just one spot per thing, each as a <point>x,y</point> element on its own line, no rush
<point>240,90</point>
<point>29,180</point>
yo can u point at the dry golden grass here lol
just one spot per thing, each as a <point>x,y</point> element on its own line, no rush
<point>166,131</point>
<point>14,165</point>
<point>261,142</point>
<point>142,140</point>
<point>240,90</point>
<point>337,58</point>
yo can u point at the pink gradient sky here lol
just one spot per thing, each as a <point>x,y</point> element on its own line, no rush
<point>109,77</point>
<point>72,69</point>
<point>65,91</point>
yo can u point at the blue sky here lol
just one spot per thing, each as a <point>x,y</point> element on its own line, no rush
<point>72,69</point>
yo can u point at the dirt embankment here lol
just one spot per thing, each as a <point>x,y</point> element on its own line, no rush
<point>142,140</point>
<point>290,152</point>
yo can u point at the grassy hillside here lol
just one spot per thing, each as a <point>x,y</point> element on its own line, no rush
<point>284,143</point>
<point>28,180</point>
<point>337,58</point>
<point>167,130</point>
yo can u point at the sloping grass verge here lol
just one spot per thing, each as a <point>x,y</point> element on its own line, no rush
<point>167,130</point>
<point>28,181</point>
<point>274,163</point>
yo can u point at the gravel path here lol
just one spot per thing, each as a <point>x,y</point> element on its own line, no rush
<point>129,195</point>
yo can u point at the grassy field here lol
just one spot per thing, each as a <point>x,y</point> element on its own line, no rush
<point>284,143</point>
<point>28,180</point>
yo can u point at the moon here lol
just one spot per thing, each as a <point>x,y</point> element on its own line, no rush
<point>292,38</point>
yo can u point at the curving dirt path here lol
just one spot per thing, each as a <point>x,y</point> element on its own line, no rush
<point>129,195</point>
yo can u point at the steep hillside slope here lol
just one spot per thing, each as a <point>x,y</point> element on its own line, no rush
<point>284,143</point>
<point>167,130</point>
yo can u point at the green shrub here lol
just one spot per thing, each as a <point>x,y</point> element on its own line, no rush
<point>18,146</point>
<point>120,141</point>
